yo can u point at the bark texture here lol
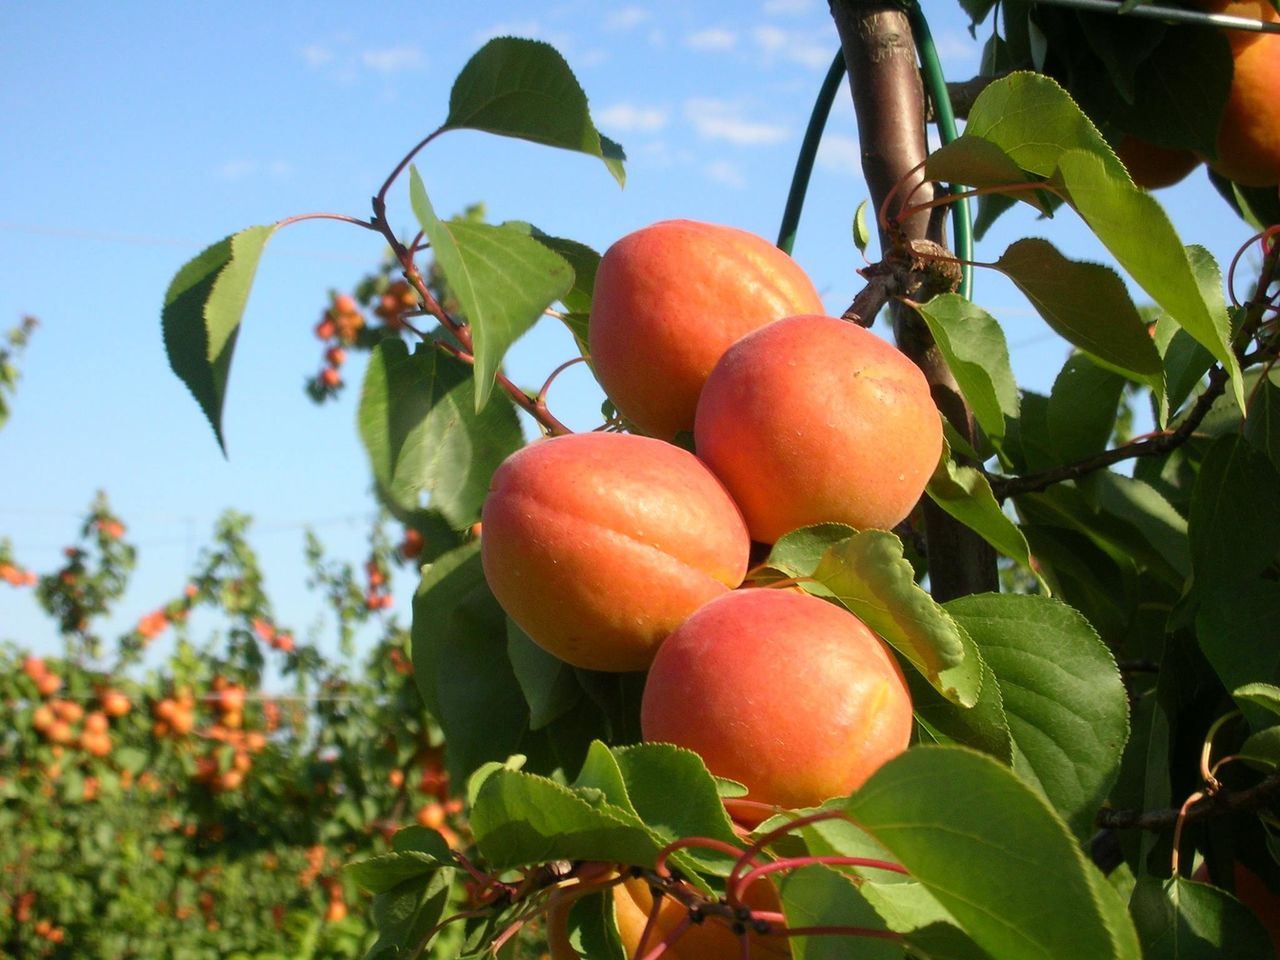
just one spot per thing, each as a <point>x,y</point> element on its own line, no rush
<point>888,98</point>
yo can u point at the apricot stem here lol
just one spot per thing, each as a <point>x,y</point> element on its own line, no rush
<point>339,217</point>
<point>791,863</point>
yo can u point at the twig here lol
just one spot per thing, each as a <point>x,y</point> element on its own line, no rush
<point>1219,804</point>
<point>1151,445</point>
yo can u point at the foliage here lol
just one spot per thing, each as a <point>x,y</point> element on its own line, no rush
<point>200,800</point>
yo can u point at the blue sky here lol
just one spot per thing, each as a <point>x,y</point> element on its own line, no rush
<point>138,133</point>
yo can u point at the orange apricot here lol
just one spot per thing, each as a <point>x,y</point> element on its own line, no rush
<point>782,691</point>
<point>1152,166</point>
<point>706,940</point>
<point>668,301</point>
<point>812,419</point>
<point>599,544</point>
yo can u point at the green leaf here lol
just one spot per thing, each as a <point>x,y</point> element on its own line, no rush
<point>964,493</point>
<point>861,227</point>
<point>503,279</point>
<point>798,553</point>
<point>975,349</point>
<point>983,726</point>
<point>1062,693</point>
<point>817,896</point>
<point>409,911</point>
<point>524,88</point>
<point>520,819</point>
<point>201,316</point>
<point>577,301</point>
<point>1230,545</point>
<point>1103,322</point>
<point>549,684</point>
<point>1141,509</point>
<point>992,852</point>
<point>1082,408</point>
<point>1185,361</point>
<point>674,794</point>
<point>869,576</point>
<point>1265,695</point>
<point>1262,427</point>
<point>1262,748</point>
<point>461,666</point>
<point>977,162</point>
<point>1035,122</point>
<point>1185,283</point>
<point>380,874</point>
<point>1183,920</point>
<point>423,434</point>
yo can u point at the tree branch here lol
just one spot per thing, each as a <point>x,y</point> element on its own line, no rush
<point>1261,795</point>
<point>1154,445</point>
<point>888,98</point>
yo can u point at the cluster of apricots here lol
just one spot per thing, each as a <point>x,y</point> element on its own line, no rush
<point>625,552</point>
<point>337,328</point>
<point>66,723</point>
<point>281,640</point>
<point>1248,142</point>
<point>378,593</point>
<point>15,576</point>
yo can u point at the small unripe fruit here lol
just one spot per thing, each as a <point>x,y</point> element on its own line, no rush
<point>599,544</point>
<point>812,420</point>
<point>782,691</point>
<point>669,299</point>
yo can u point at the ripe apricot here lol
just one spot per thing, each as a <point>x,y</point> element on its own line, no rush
<point>114,703</point>
<point>707,940</point>
<point>812,419</point>
<point>599,544</point>
<point>1152,166</point>
<point>788,694</point>
<point>669,299</point>
<point>1249,134</point>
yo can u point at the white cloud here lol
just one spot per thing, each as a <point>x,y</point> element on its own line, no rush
<point>722,171</point>
<point>316,55</point>
<point>626,18</point>
<point>787,8</point>
<point>841,154</point>
<point>392,59</point>
<point>713,38</point>
<point>793,46</point>
<point>719,120</point>
<point>628,118</point>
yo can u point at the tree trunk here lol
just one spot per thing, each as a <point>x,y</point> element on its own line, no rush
<point>888,98</point>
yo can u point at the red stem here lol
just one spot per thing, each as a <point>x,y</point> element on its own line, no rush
<point>340,217</point>
<point>791,863</point>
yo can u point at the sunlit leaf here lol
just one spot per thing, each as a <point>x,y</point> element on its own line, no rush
<point>504,280</point>
<point>524,88</point>
<point>201,318</point>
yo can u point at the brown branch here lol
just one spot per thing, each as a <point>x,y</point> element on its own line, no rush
<point>1219,804</point>
<point>888,99</point>
<point>1153,445</point>
<point>963,93</point>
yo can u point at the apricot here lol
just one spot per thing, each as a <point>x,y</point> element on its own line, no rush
<point>1152,166</point>
<point>811,419</point>
<point>669,299</point>
<point>599,544</point>
<point>1249,134</point>
<point>708,940</point>
<point>784,692</point>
